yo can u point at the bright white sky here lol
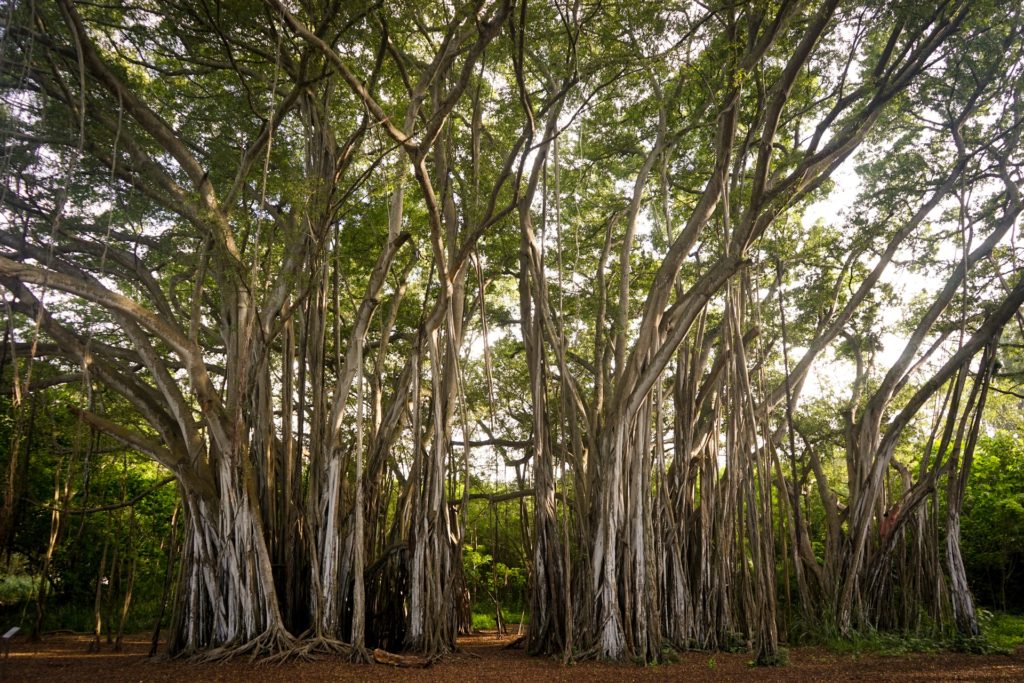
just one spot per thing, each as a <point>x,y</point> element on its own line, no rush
<point>829,376</point>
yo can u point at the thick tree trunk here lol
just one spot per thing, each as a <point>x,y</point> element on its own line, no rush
<point>226,600</point>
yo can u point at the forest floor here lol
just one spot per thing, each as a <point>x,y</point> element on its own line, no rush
<point>484,657</point>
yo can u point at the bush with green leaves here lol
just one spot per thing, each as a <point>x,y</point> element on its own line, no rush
<point>992,528</point>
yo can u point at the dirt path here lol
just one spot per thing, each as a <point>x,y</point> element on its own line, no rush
<point>64,659</point>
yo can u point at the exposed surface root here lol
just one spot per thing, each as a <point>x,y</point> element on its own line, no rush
<point>402,661</point>
<point>359,655</point>
<point>62,658</point>
<point>270,644</point>
<point>315,647</point>
<point>518,642</point>
<point>590,654</point>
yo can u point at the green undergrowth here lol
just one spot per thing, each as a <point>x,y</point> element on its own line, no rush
<point>64,616</point>
<point>883,643</point>
<point>17,588</point>
<point>484,621</point>
<point>780,658</point>
<point>1001,633</point>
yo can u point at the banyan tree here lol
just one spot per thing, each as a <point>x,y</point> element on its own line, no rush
<point>304,245</point>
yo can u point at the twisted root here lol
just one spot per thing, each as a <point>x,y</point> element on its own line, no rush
<point>269,645</point>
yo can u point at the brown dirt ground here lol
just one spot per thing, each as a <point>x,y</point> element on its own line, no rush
<point>64,659</point>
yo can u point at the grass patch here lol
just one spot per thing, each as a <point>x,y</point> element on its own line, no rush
<point>484,621</point>
<point>1002,632</point>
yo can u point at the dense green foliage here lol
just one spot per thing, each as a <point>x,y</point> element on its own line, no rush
<point>336,325</point>
<point>993,527</point>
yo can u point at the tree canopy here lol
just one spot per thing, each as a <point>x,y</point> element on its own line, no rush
<point>710,295</point>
